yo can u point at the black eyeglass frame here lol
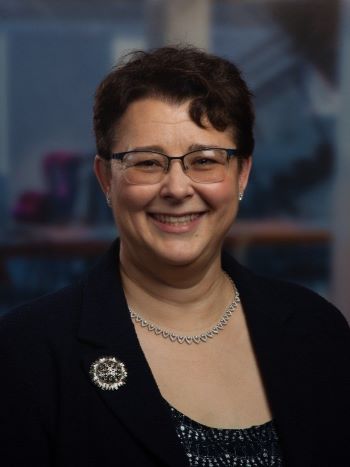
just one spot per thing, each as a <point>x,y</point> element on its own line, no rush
<point>230,152</point>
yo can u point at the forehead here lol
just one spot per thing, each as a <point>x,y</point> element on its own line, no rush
<point>153,121</point>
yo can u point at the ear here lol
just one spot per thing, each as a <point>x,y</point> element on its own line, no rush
<point>103,173</point>
<point>244,172</point>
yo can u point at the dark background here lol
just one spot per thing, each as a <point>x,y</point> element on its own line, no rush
<point>293,222</point>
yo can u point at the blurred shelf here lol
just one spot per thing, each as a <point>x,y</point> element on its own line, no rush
<point>35,241</point>
<point>56,241</point>
<point>271,232</point>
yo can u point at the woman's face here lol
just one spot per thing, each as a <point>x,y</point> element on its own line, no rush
<point>176,221</point>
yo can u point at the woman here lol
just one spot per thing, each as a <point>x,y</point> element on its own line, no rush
<point>169,352</point>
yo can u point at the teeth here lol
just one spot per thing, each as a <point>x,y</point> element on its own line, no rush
<point>175,220</point>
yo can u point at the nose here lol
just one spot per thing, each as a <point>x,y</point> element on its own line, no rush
<point>176,184</point>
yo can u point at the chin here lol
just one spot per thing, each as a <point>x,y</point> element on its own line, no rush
<point>179,255</point>
<point>179,261</point>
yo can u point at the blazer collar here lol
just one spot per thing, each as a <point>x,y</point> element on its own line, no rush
<point>262,302</point>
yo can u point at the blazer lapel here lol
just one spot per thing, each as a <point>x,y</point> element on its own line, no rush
<point>269,314</point>
<point>106,328</point>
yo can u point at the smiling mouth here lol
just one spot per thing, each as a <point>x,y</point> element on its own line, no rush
<point>176,220</point>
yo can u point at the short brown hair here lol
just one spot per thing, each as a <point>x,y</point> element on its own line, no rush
<point>213,85</point>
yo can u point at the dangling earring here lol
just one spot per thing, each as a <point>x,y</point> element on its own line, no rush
<point>108,199</point>
<point>240,196</point>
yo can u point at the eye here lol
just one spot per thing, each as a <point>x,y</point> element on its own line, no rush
<point>148,163</point>
<point>206,159</point>
<point>203,161</point>
<point>144,161</point>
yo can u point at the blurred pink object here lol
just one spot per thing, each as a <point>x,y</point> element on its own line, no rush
<point>31,207</point>
<point>56,204</point>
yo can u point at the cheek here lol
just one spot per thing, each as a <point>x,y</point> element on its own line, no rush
<point>132,198</point>
<point>221,195</point>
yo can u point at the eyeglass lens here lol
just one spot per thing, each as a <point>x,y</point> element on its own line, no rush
<point>203,166</point>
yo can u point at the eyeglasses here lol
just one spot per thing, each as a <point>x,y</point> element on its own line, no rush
<point>207,165</point>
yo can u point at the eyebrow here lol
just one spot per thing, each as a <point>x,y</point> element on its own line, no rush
<point>192,147</point>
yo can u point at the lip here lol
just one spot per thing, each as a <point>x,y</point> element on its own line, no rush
<point>176,223</point>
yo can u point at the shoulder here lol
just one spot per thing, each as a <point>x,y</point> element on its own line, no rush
<point>35,343</point>
<point>36,320</point>
<point>303,306</point>
<point>307,306</point>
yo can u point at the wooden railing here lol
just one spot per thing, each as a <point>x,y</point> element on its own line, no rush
<point>87,241</point>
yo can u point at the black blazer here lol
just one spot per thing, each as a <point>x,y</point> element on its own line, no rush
<point>52,414</point>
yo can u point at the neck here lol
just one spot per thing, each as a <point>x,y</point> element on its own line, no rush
<point>183,298</point>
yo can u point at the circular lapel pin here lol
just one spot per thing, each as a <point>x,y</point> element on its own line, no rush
<point>108,373</point>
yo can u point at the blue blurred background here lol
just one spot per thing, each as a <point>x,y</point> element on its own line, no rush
<point>295,54</point>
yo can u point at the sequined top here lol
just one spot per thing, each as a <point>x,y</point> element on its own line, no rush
<point>215,447</point>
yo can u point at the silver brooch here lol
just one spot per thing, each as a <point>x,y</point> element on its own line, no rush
<point>108,373</point>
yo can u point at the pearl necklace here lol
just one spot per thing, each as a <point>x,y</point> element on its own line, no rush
<point>197,339</point>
